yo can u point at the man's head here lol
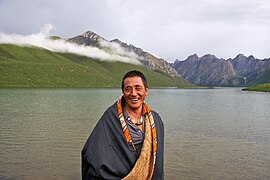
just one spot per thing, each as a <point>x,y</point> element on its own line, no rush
<point>134,73</point>
<point>135,89</point>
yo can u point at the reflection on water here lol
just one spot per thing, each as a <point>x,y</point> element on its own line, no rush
<point>209,134</point>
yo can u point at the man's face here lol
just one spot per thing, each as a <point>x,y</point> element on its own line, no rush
<point>134,92</point>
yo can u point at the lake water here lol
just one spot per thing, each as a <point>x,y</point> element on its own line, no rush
<point>221,133</point>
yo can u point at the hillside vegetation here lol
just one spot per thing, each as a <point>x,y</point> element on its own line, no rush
<point>259,87</point>
<point>38,67</point>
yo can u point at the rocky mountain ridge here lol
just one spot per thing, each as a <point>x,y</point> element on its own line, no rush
<point>90,38</point>
<point>209,70</point>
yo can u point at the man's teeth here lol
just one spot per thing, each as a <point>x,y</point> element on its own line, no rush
<point>134,99</point>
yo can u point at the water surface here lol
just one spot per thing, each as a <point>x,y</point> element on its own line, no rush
<point>209,134</point>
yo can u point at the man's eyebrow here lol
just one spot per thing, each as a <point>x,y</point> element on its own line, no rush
<point>134,86</point>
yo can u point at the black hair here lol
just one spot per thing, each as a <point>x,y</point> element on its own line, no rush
<point>135,73</point>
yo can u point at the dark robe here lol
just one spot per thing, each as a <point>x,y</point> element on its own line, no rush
<point>106,153</point>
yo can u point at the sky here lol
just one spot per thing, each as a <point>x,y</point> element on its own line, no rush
<point>168,29</point>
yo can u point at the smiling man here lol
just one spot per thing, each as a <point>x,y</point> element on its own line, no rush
<point>128,141</point>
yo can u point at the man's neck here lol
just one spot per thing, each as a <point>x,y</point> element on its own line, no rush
<point>136,113</point>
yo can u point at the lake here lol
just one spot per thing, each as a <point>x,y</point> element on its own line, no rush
<point>221,133</point>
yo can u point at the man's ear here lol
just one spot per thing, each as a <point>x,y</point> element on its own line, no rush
<point>146,91</point>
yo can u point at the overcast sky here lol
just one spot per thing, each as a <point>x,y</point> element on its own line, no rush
<point>169,29</point>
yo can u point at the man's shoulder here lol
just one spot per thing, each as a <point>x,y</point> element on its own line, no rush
<point>108,118</point>
<point>112,108</point>
<point>110,113</point>
<point>157,117</point>
<point>155,113</point>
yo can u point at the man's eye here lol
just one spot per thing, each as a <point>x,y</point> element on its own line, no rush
<point>128,89</point>
<point>139,88</point>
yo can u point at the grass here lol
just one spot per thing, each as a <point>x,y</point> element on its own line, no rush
<point>38,67</point>
<point>259,87</point>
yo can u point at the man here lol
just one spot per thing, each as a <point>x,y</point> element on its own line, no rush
<point>128,141</point>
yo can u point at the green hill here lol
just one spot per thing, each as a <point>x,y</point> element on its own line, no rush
<point>37,67</point>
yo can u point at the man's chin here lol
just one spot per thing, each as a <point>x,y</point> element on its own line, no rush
<point>134,106</point>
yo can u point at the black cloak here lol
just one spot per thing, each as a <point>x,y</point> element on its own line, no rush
<point>106,153</point>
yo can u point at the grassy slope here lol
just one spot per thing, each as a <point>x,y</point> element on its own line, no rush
<point>37,67</point>
<point>259,87</point>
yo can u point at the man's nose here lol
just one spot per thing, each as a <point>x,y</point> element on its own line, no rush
<point>133,91</point>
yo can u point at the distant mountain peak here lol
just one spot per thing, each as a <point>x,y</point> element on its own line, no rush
<point>92,35</point>
<point>89,34</point>
<point>89,38</point>
<point>116,41</point>
<point>193,57</point>
<point>210,56</point>
<point>251,57</point>
<point>240,56</point>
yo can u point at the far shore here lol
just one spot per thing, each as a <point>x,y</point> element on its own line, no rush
<point>259,88</point>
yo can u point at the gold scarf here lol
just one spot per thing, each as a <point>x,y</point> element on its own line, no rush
<point>144,166</point>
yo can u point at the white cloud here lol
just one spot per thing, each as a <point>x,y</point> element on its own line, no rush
<point>41,40</point>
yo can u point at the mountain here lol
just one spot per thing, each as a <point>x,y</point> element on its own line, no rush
<point>150,61</point>
<point>255,71</point>
<point>212,71</point>
<point>88,39</point>
<point>37,67</point>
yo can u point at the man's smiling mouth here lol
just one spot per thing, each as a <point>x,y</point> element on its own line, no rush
<point>134,99</point>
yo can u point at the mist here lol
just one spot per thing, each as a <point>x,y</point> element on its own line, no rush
<point>113,52</point>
